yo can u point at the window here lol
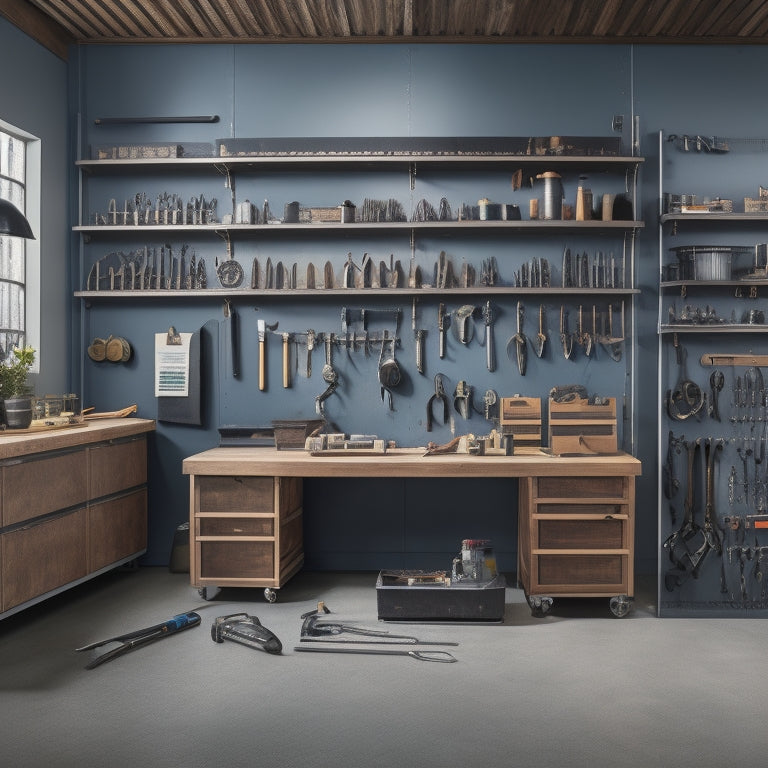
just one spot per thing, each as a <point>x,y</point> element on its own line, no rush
<point>13,270</point>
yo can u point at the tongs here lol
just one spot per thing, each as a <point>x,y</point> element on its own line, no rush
<point>140,637</point>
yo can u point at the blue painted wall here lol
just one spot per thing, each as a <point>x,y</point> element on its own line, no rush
<point>389,90</point>
<point>33,98</point>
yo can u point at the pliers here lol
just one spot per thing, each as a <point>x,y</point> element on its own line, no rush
<point>132,640</point>
<point>439,395</point>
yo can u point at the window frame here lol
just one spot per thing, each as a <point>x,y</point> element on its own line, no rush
<point>32,249</point>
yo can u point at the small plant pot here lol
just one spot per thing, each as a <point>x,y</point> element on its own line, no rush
<point>17,412</point>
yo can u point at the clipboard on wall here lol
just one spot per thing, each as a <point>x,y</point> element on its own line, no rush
<point>178,377</point>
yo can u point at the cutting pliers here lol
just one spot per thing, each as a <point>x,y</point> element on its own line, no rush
<point>439,395</point>
<point>132,640</point>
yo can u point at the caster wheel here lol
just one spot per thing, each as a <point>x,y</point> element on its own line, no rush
<point>540,606</point>
<point>204,592</point>
<point>270,595</point>
<point>620,605</point>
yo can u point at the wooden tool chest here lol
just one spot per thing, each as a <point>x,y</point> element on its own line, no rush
<point>576,538</point>
<point>246,532</point>
<point>581,427</point>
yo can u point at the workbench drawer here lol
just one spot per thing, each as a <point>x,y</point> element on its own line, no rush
<point>236,526</point>
<point>36,487</point>
<point>117,466</point>
<point>237,559</point>
<point>574,508</point>
<point>581,570</point>
<point>236,494</point>
<point>581,487</point>
<point>607,533</point>
<point>42,557</point>
<point>117,529</point>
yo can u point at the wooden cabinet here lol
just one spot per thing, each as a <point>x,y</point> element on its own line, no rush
<point>576,538</point>
<point>247,532</point>
<point>73,504</point>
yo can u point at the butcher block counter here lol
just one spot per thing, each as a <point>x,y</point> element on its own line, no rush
<point>73,504</point>
<point>575,522</point>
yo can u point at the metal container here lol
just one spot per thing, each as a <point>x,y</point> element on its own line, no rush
<point>347,212</point>
<point>708,262</point>
<point>551,197</point>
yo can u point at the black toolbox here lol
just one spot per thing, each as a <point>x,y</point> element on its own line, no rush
<point>397,600</point>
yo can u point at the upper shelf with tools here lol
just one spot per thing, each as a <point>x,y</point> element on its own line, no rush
<point>139,225</point>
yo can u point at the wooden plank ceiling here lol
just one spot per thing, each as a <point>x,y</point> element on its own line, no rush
<point>58,23</point>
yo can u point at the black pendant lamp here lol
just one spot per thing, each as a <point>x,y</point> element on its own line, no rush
<point>13,222</point>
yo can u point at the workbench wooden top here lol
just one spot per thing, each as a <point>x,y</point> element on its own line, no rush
<point>14,443</point>
<point>403,462</point>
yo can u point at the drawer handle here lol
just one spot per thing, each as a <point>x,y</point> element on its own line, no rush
<point>609,517</point>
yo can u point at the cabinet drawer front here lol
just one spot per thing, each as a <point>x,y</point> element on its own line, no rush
<point>236,526</point>
<point>38,487</point>
<point>117,466</point>
<point>237,559</point>
<point>581,534</point>
<point>43,557</point>
<point>605,510</point>
<point>581,569</point>
<point>581,487</point>
<point>236,494</point>
<point>117,529</point>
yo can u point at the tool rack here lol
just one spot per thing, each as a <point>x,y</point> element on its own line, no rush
<point>713,404</point>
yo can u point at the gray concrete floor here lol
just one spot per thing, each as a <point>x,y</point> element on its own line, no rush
<point>576,688</point>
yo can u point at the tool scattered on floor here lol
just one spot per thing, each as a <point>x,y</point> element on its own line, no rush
<point>246,630</point>
<point>441,656</point>
<point>315,630</point>
<point>140,637</point>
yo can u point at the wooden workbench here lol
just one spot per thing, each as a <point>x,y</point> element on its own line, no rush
<point>576,514</point>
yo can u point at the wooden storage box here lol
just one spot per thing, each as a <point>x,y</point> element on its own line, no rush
<point>581,427</point>
<point>521,418</point>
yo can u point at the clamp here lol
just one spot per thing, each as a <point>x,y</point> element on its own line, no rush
<point>439,395</point>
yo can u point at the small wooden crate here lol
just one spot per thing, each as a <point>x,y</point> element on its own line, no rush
<point>753,205</point>
<point>521,418</point>
<point>579,427</point>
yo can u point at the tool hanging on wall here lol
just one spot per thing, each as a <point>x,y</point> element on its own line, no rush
<point>490,352</point>
<point>439,395</point>
<point>234,336</point>
<point>263,327</point>
<point>519,341</point>
<point>541,337</point>
<point>418,336</point>
<point>566,338</point>
<point>329,375</point>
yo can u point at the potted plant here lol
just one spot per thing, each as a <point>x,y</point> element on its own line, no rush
<point>15,391</point>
